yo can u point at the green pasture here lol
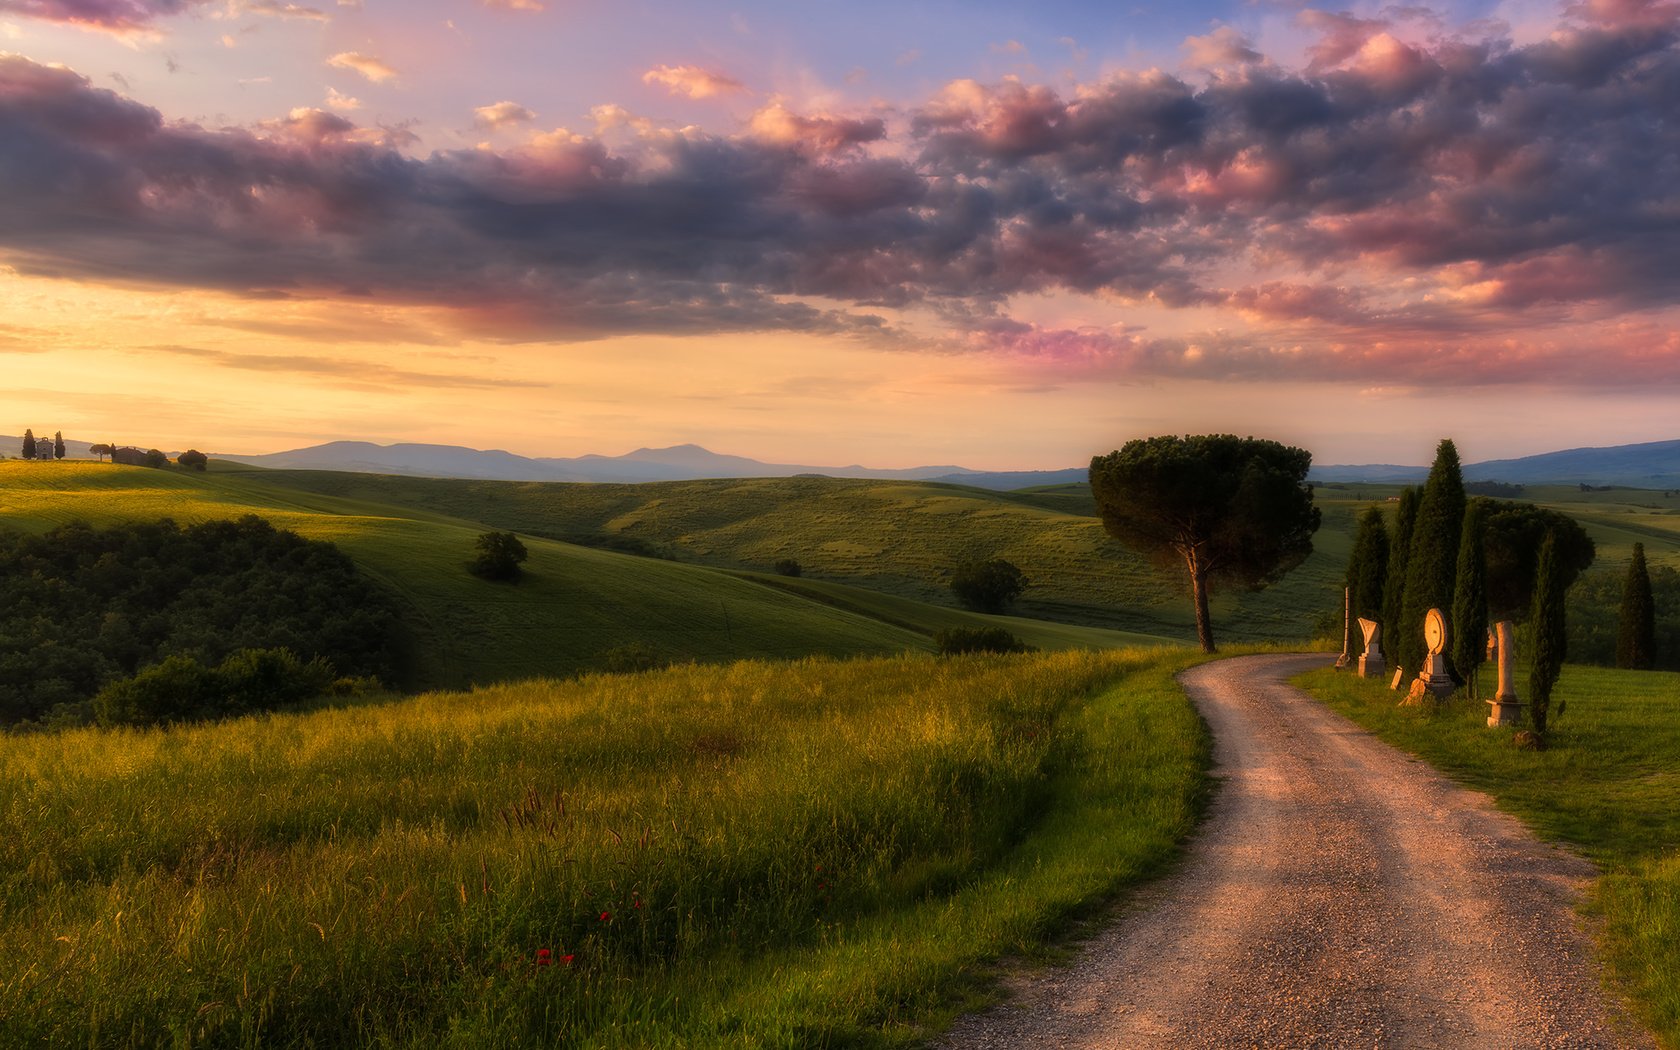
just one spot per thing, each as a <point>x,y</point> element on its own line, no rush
<point>1607,785</point>
<point>574,604</point>
<point>900,538</point>
<point>812,853</point>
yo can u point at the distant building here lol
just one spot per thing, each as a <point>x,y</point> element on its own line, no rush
<point>44,448</point>
<point>129,457</point>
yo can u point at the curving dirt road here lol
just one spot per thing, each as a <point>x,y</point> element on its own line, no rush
<point>1340,894</point>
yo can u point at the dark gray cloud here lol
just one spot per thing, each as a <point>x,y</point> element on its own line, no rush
<point>1524,181</point>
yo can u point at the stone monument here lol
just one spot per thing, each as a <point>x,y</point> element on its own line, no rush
<point>1433,677</point>
<point>1371,663</point>
<point>1346,659</point>
<point>1507,709</point>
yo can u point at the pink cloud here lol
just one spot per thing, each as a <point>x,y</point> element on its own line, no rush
<point>693,81</point>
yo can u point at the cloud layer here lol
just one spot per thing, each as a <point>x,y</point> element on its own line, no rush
<point>1404,210</point>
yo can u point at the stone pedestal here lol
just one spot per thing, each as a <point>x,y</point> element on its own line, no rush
<point>1507,708</point>
<point>1371,663</point>
<point>1433,680</point>
<point>1505,711</point>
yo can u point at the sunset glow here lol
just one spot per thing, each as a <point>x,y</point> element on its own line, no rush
<point>883,233</point>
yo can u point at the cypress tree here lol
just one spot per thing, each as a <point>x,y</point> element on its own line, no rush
<point>58,445</point>
<point>1636,639</point>
<point>28,444</point>
<point>1549,633</point>
<point>1431,564</point>
<point>1394,583</point>
<point>1469,607</point>
<point>1368,567</point>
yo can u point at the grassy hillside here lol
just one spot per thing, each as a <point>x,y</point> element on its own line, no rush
<point>574,604</point>
<point>794,854</point>
<point>895,537</point>
<point>1608,785</point>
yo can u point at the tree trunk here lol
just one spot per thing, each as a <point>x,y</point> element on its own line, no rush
<point>1198,588</point>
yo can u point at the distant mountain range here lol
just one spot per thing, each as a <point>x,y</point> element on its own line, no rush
<point>1654,464</point>
<point>677,463</point>
<point>1650,465</point>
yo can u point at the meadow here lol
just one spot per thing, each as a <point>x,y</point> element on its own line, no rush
<point>573,606</point>
<point>899,538</point>
<point>808,853</point>
<point>1607,786</point>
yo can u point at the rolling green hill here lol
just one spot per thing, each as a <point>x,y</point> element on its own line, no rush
<point>574,604</point>
<point>900,538</point>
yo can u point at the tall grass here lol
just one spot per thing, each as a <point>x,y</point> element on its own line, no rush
<point>815,853</point>
<point>1608,785</point>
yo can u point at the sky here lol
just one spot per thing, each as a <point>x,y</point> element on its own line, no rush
<point>998,235</point>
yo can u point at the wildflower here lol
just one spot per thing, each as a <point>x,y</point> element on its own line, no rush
<point>543,957</point>
<point>566,960</point>
<point>606,916</point>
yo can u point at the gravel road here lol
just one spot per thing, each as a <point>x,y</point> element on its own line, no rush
<point>1340,894</point>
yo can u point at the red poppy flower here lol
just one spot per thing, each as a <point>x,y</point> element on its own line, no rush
<point>566,960</point>
<point>543,957</point>
<point>606,916</point>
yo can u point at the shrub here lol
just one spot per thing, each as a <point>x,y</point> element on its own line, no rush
<point>788,567</point>
<point>499,555</point>
<point>193,458</point>
<point>181,689</point>
<point>955,641</point>
<point>635,657</point>
<point>988,586</point>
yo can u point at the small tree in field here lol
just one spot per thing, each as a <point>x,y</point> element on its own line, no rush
<point>788,567</point>
<point>193,458</point>
<point>1636,636</point>
<point>58,444</point>
<point>28,443</point>
<point>1469,607</point>
<point>499,555</point>
<point>1224,507</point>
<point>988,586</point>
<point>101,451</point>
<point>1549,633</point>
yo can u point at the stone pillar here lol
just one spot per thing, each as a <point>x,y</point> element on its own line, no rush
<point>1507,709</point>
<point>1346,658</point>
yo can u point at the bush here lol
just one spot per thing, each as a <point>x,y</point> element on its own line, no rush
<point>988,586</point>
<point>193,458</point>
<point>156,459</point>
<point>635,657</point>
<point>181,689</point>
<point>788,567</point>
<point>499,555</point>
<point>955,641</point>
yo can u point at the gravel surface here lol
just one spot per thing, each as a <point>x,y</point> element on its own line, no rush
<point>1340,894</point>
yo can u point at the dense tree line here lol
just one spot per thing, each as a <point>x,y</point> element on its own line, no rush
<point>81,608</point>
<point>1596,611</point>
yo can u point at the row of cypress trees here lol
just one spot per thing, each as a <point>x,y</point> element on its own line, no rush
<point>1436,558</point>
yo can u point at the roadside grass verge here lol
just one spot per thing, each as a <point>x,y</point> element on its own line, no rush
<point>816,853</point>
<point>1607,785</point>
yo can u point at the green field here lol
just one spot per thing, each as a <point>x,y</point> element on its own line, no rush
<point>814,853</point>
<point>1607,785</point>
<point>574,605</point>
<point>900,538</point>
